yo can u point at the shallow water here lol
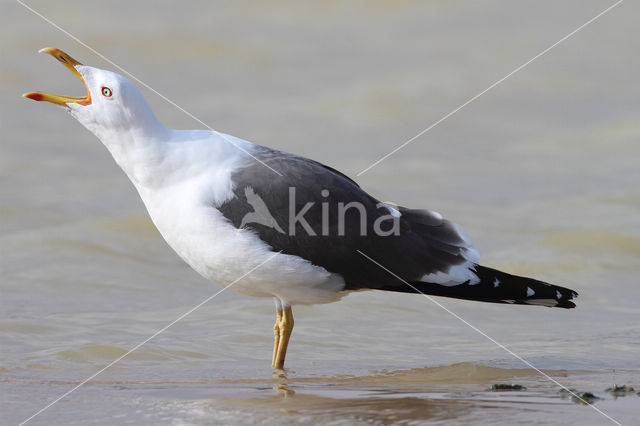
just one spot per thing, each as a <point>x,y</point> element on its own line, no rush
<point>543,172</point>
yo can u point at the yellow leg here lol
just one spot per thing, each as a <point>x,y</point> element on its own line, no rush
<point>285,329</point>
<point>276,332</point>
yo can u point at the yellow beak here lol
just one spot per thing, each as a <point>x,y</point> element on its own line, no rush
<point>70,63</point>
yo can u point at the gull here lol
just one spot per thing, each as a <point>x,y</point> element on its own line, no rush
<point>227,206</point>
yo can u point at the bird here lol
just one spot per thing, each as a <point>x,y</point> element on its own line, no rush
<point>307,233</point>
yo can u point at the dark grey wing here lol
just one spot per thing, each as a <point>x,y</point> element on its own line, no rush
<point>329,233</point>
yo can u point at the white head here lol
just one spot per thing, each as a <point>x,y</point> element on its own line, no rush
<point>113,109</point>
<point>116,112</point>
<point>116,104</point>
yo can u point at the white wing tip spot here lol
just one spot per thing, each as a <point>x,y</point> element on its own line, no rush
<point>392,208</point>
<point>530,292</point>
<point>436,215</point>
<point>496,283</point>
<point>558,295</point>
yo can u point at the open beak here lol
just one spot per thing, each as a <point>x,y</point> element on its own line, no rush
<point>70,63</point>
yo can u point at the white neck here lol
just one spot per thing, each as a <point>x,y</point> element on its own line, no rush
<point>138,151</point>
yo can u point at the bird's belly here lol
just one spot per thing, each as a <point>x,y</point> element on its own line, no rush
<point>237,258</point>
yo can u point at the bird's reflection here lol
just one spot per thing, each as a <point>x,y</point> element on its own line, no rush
<point>281,382</point>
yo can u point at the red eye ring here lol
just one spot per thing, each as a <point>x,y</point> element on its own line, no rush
<point>106,92</point>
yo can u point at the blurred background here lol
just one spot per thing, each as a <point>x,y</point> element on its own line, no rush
<point>542,171</point>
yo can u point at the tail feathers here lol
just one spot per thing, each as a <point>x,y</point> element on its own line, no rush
<point>499,287</point>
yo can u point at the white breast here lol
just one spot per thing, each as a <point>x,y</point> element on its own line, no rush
<point>184,214</point>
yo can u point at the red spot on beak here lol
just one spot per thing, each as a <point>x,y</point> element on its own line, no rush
<point>34,95</point>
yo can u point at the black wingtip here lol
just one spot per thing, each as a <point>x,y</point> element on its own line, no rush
<point>567,304</point>
<point>500,287</point>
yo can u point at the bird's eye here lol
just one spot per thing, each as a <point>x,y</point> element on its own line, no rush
<point>106,92</point>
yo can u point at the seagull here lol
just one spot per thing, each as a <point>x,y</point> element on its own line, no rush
<point>308,233</point>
